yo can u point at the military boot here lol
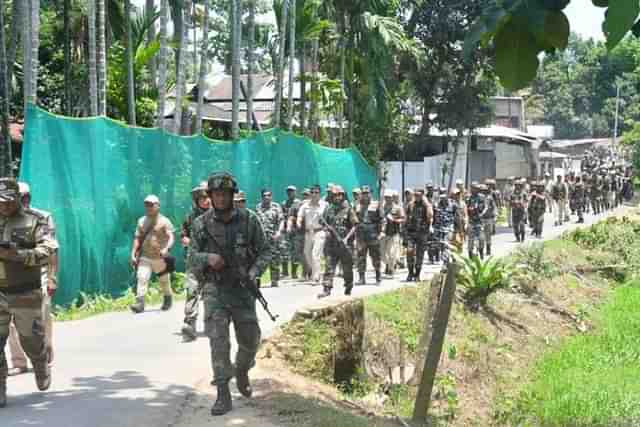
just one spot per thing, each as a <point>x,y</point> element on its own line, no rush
<point>285,270</point>
<point>348,287</point>
<point>481,251</point>
<point>189,330</point>
<point>416,277</point>
<point>138,307</point>
<point>167,302</point>
<point>275,278</point>
<point>326,291</point>
<point>522,236</point>
<point>410,275</point>
<point>3,393</point>
<point>223,403</point>
<point>488,250</point>
<point>294,271</point>
<point>43,375</point>
<point>242,382</point>
<point>378,278</point>
<point>362,280</point>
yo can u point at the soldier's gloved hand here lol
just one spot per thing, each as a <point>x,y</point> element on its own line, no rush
<point>215,261</point>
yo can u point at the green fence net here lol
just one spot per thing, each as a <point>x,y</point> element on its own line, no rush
<point>93,174</point>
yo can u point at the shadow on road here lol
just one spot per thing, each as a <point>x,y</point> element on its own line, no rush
<point>124,399</point>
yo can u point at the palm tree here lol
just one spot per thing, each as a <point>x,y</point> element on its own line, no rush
<point>17,19</point>
<point>5,148</point>
<point>101,57</point>
<point>67,56</point>
<point>280,78</point>
<point>181,68</point>
<point>93,78</point>
<point>236,22</point>
<point>292,56</point>
<point>162,69</point>
<point>35,47</point>
<point>251,38</point>
<point>203,67</point>
<point>151,36</point>
<point>131,100</point>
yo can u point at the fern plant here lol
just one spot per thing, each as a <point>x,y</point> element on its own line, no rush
<point>481,278</point>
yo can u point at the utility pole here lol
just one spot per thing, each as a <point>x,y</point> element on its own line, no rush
<point>615,126</point>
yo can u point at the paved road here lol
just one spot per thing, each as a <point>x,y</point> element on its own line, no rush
<point>123,370</point>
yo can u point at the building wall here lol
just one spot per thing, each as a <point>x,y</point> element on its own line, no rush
<point>511,160</point>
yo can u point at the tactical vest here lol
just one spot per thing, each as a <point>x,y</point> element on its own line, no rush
<point>559,191</point>
<point>370,221</point>
<point>444,218</point>
<point>417,218</point>
<point>391,228</point>
<point>338,218</point>
<point>16,277</point>
<point>475,206</point>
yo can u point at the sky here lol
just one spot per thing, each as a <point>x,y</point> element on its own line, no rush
<point>585,19</point>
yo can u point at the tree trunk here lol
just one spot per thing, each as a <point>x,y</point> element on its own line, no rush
<point>236,20</point>
<point>101,57</point>
<point>181,68</point>
<point>162,69</point>
<point>342,28</point>
<point>280,78</point>
<point>292,56</point>
<point>35,48</point>
<point>131,90</point>
<point>250,63</point>
<point>67,56</point>
<point>178,23</point>
<point>17,12</point>
<point>93,77</point>
<point>303,90</point>
<point>313,107</point>
<point>26,52</point>
<point>195,41</point>
<point>203,67</point>
<point>151,36</point>
<point>5,145</point>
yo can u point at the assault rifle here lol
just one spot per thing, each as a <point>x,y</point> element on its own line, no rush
<point>344,248</point>
<point>8,244</point>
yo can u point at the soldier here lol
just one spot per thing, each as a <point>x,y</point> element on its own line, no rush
<point>613,189</point>
<point>200,204</point>
<point>228,252</point>
<point>19,359</point>
<point>488,217</point>
<point>30,245</point>
<point>537,207</point>
<point>596,191</point>
<point>518,210</point>
<point>548,190</point>
<point>447,220</point>
<point>240,200</point>
<point>270,213</point>
<point>368,233</point>
<point>286,249</point>
<point>508,191</point>
<point>152,242</point>
<point>309,220</point>
<point>559,194</point>
<point>497,197</point>
<point>341,219</point>
<point>355,194</point>
<point>476,207</point>
<point>391,234</point>
<point>419,220</point>
<point>459,229</point>
<point>578,196</point>
<point>429,193</point>
<point>295,235</point>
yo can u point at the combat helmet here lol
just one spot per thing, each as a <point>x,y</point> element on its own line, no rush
<point>222,181</point>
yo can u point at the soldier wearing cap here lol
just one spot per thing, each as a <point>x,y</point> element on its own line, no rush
<point>295,235</point>
<point>390,241</point>
<point>476,208</point>
<point>29,247</point>
<point>536,209</point>
<point>228,252</point>
<point>152,243</point>
<point>240,200</point>
<point>559,193</point>
<point>490,214</point>
<point>308,220</point>
<point>578,195</point>
<point>270,213</point>
<point>548,189</point>
<point>19,360</point>
<point>286,247</point>
<point>519,210</point>
<point>200,203</point>
<point>419,220</point>
<point>508,191</point>
<point>371,224</point>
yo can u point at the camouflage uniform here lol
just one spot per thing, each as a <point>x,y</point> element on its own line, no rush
<point>419,219</point>
<point>193,288</point>
<point>537,207</point>
<point>271,218</point>
<point>371,224</point>
<point>296,239</point>
<point>246,253</point>
<point>489,218</point>
<point>342,218</point>
<point>596,191</point>
<point>518,212</point>
<point>446,220</point>
<point>21,296</point>
<point>476,206</point>
<point>577,196</point>
<point>287,240</point>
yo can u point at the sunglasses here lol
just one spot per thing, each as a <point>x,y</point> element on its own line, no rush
<point>315,192</point>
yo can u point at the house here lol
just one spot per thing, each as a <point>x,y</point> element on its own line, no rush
<point>577,147</point>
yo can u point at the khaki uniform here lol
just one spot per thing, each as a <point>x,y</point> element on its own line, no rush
<point>314,238</point>
<point>150,260</point>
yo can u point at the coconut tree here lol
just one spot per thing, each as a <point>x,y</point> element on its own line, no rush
<point>93,76</point>
<point>101,56</point>
<point>280,68</point>
<point>292,56</point>
<point>151,36</point>
<point>236,22</point>
<point>17,19</point>
<point>131,95</point>
<point>67,55</point>
<point>251,38</point>
<point>203,66</point>
<point>35,47</point>
<point>162,59</point>
<point>5,146</point>
<point>182,66</point>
